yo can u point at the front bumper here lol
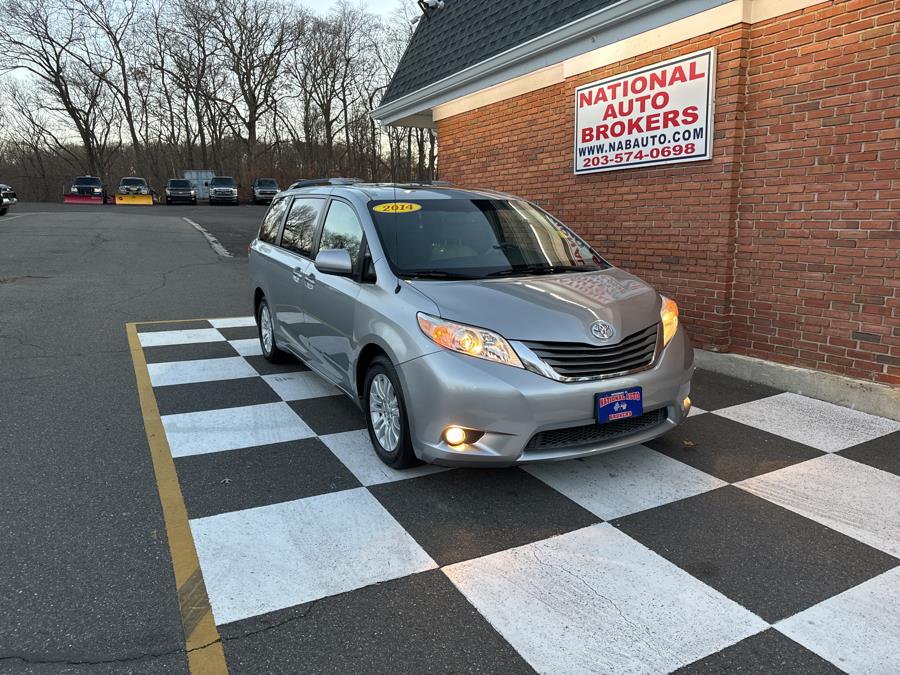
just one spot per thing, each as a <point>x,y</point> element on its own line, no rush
<point>183,198</point>
<point>223,199</point>
<point>264,196</point>
<point>512,405</point>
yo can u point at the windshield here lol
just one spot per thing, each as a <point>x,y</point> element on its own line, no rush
<point>266,183</point>
<point>478,238</point>
<point>134,181</point>
<point>179,183</point>
<point>87,180</point>
<point>222,181</point>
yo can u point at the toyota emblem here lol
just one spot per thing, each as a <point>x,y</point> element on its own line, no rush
<point>602,330</point>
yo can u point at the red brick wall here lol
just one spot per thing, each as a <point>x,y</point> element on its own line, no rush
<point>817,270</point>
<point>784,245</point>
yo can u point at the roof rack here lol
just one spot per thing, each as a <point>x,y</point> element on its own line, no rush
<point>313,182</point>
<point>432,183</point>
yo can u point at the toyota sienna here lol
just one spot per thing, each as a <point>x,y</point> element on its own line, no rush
<point>470,326</point>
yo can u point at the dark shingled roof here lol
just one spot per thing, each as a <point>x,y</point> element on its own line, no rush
<point>466,32</point>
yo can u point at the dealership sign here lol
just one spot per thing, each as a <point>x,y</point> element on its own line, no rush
<point>657,115</point>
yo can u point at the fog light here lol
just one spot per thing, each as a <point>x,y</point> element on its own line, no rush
<point>454,435</point>
<point>686,403</point>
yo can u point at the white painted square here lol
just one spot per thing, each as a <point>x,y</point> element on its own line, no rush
<point>164,338</point>
<point>820,425</point>
<point>633,479</point>
<point>857,630</point>
<point>197,433</point>
<point>596,601</point>
<point>201,370</point>
<point>267,558</point>
<point>853,498</point>
<point>248,347</point>
<point>354,449</point>
<point>298,386</point>
<point>233,322</point>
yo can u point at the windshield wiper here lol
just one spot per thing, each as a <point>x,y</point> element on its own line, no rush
<point>433,274</point>
<point>541,269</point>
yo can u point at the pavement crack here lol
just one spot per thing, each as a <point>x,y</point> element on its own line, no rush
<point>22,343</point>
<point>639,630</point>
<point>271,627</point>
<point>130,658</point>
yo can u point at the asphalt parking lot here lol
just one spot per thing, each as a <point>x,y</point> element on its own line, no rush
<point>172,499</point>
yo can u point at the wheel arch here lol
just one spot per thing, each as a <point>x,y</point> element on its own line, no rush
<point>366,355</point>
<point>258,295</point>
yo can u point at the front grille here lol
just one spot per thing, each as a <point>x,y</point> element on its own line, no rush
<point>576,359</point>
<point>560,439</point>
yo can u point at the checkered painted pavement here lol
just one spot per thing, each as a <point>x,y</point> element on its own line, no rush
<point>763,534</point>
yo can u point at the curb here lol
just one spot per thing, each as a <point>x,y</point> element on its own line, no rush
<point>870,397</point>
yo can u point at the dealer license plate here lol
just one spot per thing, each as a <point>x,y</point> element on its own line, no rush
<point>619,404</point>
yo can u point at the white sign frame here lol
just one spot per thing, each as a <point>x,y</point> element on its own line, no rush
<point>710,54</point>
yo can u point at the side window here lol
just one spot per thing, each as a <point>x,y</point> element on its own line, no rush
<point>268,232</point>
<point>342,230</point>
<point>300,226</point>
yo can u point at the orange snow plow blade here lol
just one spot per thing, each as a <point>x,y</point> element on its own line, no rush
<point>134,199</point>
<point>82,199</point>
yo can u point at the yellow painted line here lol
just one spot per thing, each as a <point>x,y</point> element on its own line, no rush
<point>213,318</point>
<point>204,645</point>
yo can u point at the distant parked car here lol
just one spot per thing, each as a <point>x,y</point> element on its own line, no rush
<point>85,190</point>
<point>7,198</point>
<point>223,190</point>
<point>134,190</point>
<point>180,190</point>
<point>132,185</point>
<point>264,190</point>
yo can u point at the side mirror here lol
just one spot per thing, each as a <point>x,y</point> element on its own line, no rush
<point>206,183</point>
<point>334,261</point>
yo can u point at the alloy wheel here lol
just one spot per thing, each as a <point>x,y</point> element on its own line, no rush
<point>265,327</point>
<point>384,411</point>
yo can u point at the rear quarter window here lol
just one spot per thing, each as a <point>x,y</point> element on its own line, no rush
<point>268,231</point>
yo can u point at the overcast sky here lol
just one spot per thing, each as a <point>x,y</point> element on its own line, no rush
<point>383,7</point>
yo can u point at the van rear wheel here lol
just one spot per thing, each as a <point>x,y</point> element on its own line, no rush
<point>266,324</point>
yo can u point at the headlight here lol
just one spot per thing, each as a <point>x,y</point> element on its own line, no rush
<point>74,188</point>
<point>477,342</point>
<point>668,314</point>
<point>97,190</point>
<point>193,193</point>
<point>168,192</point>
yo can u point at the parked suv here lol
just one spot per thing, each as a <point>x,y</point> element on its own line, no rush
<point>86,190</point>
<point>471,327</point>
<point>7,198</point>
<point>264,190</point>
<point>223,190</point>
<point>180,190</point>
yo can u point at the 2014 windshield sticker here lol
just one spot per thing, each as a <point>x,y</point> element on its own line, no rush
<point>397,207</point>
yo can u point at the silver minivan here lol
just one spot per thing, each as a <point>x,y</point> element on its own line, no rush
<point>470,326</point>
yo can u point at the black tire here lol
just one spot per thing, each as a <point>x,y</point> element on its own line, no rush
<point>273,355</point>
<point>168,202</point>
<point>402,456</point>
<point>3,210</point>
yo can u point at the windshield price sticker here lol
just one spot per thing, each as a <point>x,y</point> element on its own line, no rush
<point>662,114</point>
<point>397,207</point>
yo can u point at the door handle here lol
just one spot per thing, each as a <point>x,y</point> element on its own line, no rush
<point>310,280</point>
<point>297,275</point>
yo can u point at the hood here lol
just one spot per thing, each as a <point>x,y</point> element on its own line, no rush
<point>553,308</point>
